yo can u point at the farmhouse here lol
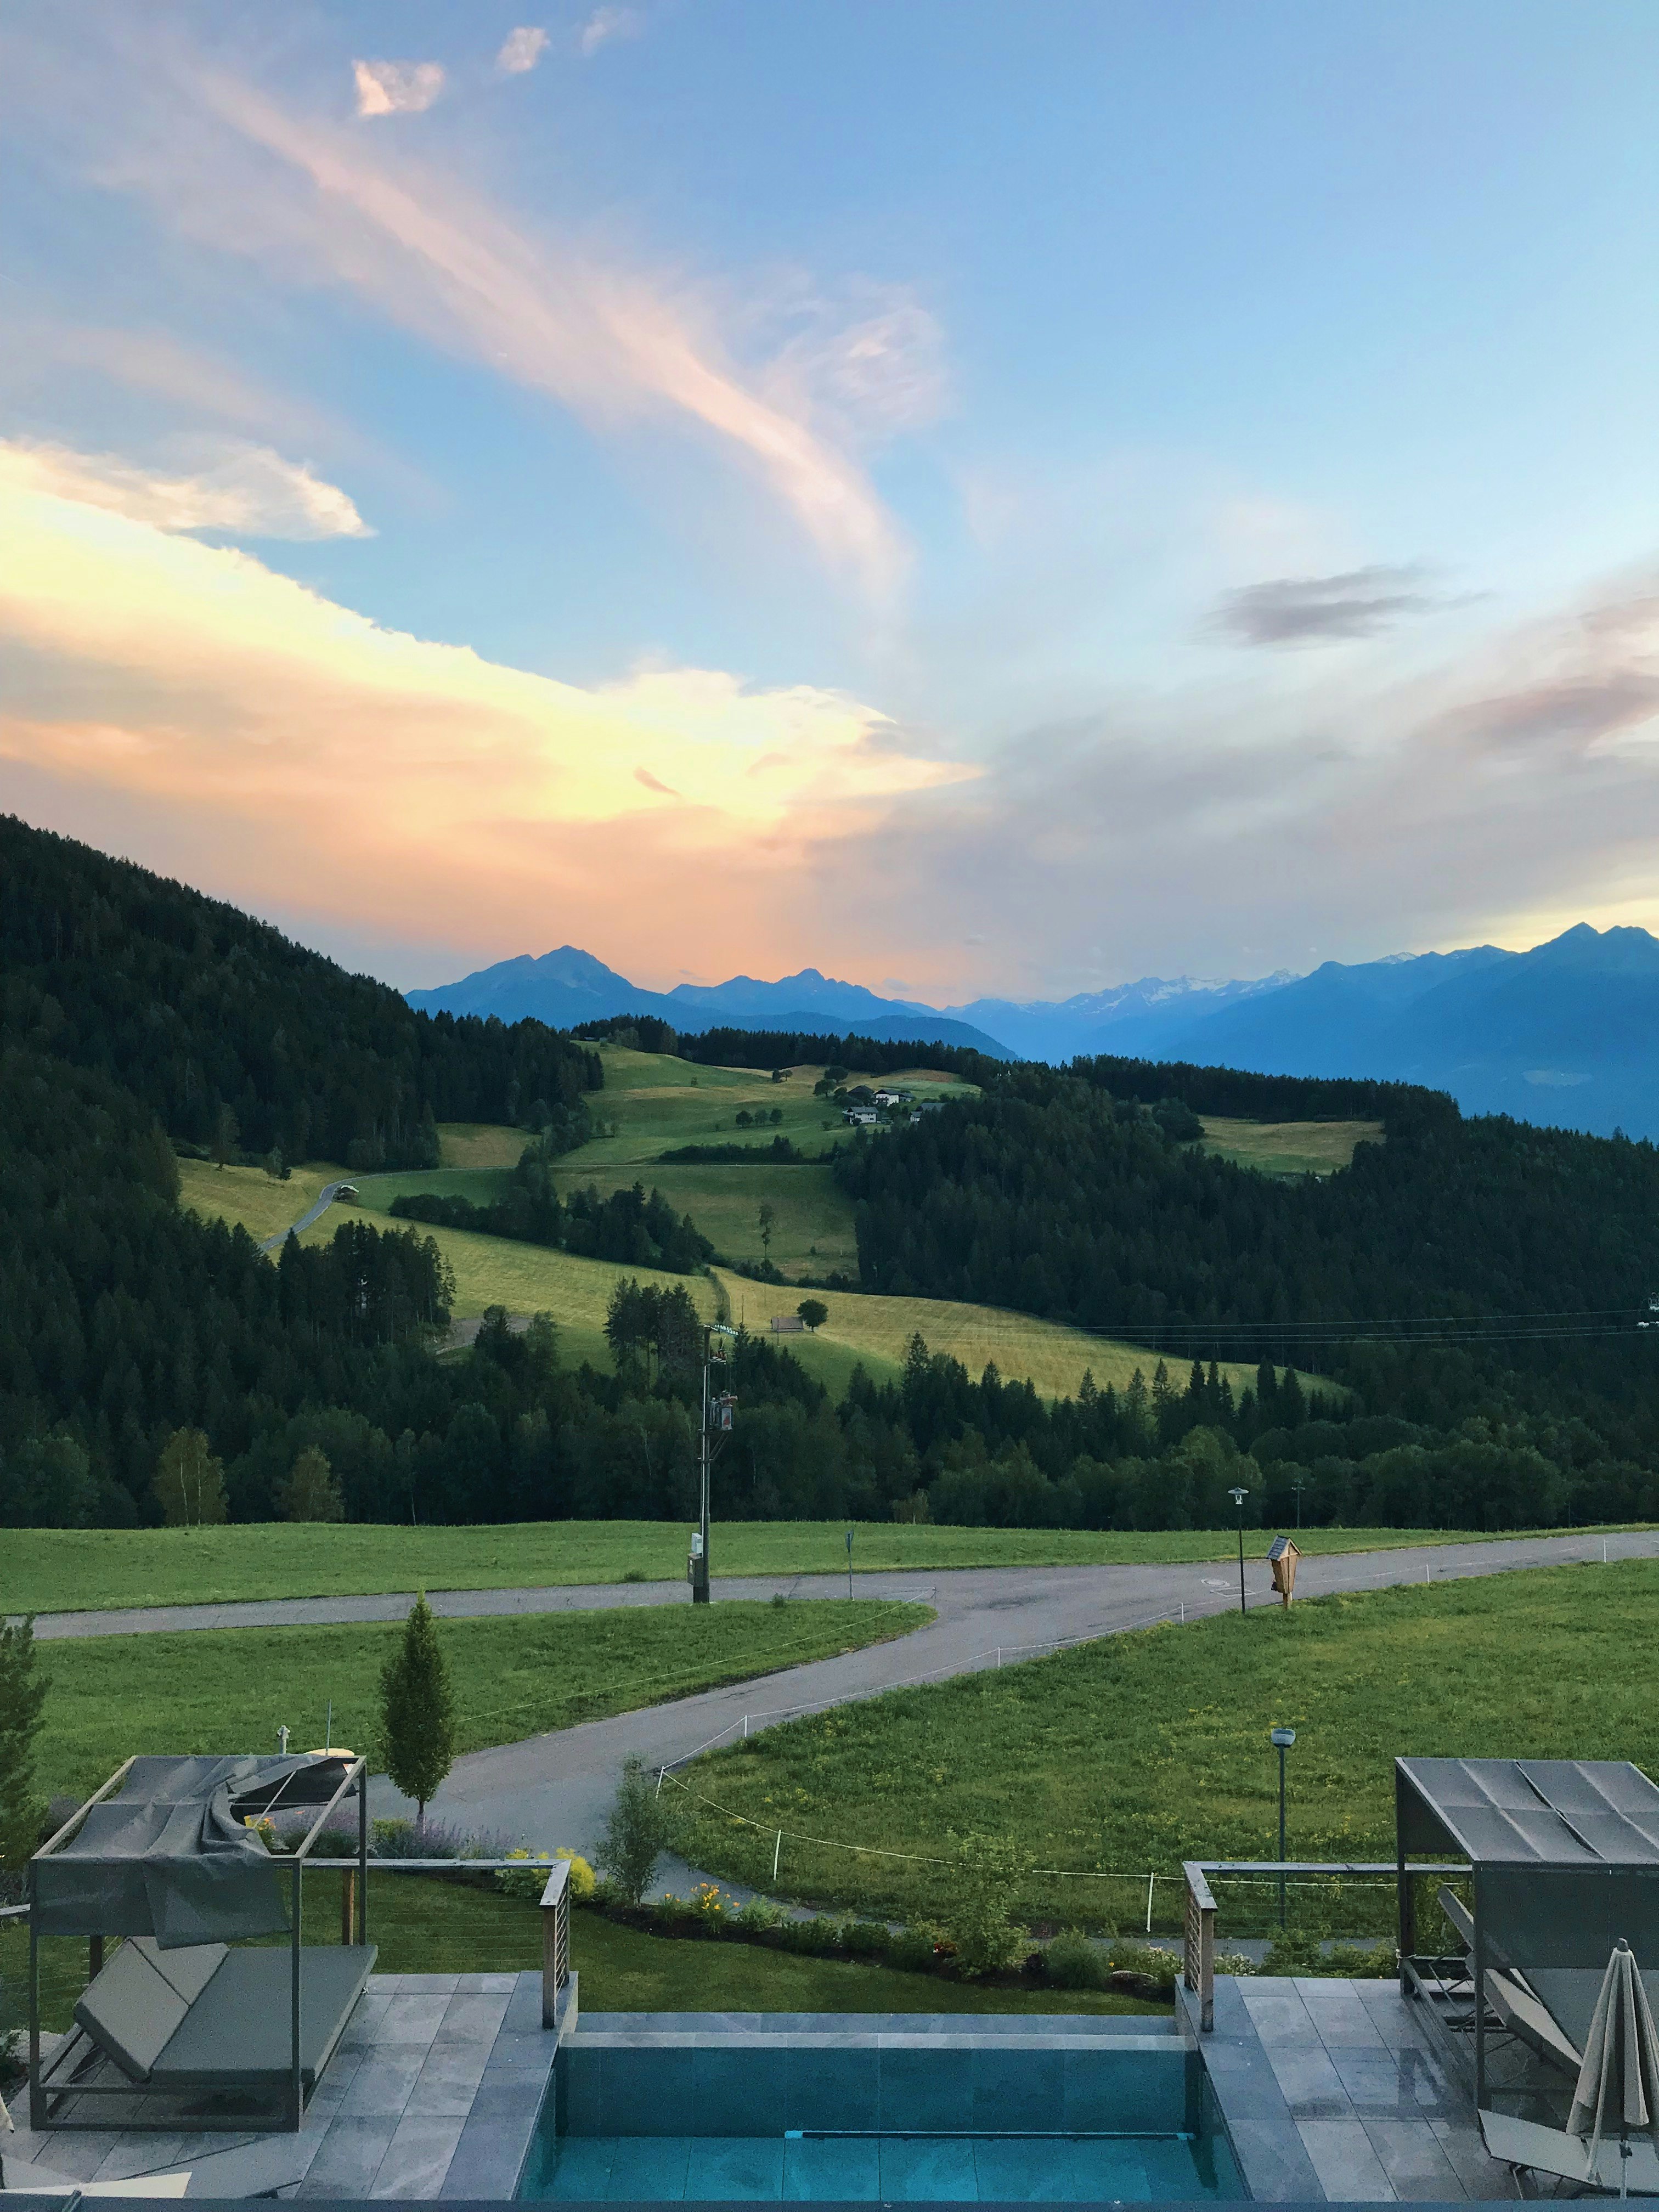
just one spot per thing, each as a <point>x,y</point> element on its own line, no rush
<point>862,1117</point>
<point>893,1097</point>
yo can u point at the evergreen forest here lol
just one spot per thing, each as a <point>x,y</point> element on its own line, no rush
<point>1469,1294</point>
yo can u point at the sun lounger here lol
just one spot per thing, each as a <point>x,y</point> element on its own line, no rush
<point>213,2017</point>
<point>1567,2158</point>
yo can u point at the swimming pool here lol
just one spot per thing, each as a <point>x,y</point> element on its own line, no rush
<point>809,2108</point>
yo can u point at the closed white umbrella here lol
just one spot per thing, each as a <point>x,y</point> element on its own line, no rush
<point>1617,2085</point>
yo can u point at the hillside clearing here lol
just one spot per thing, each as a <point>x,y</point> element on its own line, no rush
<point>1133,1752</point>
<point>1285,1148</point>
<point>66,1570</point>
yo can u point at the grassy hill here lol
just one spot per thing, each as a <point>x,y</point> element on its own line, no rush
<point>529,1279</point>
<point>1288,1148</point>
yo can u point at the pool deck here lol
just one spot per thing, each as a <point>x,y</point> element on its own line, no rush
<point>1332,2091</point>
<point>434,2093</point>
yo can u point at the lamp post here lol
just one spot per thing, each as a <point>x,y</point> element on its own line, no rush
<point>1281,1740</point>
<point>1238,1497</point>
<point>849,1562</point>
<point>1299,1486</point>
<point>716,1426</point>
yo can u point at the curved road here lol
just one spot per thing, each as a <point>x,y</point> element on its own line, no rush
<point>555,1788</point>
<point>325,1198</point>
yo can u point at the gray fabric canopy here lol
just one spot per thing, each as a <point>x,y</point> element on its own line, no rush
<point>1564,1852</point>
<point>167,1855</point>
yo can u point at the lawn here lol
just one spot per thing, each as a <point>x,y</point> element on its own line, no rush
<point>66,1570</point>
<point>1285,1148</point>
<point>231,1689</point>
<point>429,1927</point>
<point>248,1195</point>
<point>1136,1752</point>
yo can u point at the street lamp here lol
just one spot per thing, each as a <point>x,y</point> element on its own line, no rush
<point>1281,1740</point>
<point>716,1427</point>
<point>1238,1497</point>
<point>1299,1486</point>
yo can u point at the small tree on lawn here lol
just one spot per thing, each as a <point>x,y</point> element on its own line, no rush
<point>813,1312</point>
<point>980,1916</point>
<point>417,1710</point>
<point>311,1491</point>
<point>227,1136</point>
<point>767,1218</point>
<point>22,1699</point>
<point>635,1832</point>
<point>190,1482</point>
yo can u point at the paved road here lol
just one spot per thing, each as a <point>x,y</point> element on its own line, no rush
<point>325,1198</point>
<point>555,1789</point>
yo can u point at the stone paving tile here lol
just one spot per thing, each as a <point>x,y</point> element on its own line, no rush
<point>1336,2011</point>
<point>383,2083</point>
<point>449,2081</point>
<point>1415,2162</point>
<point>1482,2177</point>
<point>413,2018</point>
<point>1344,2159</point>
<point>350,2158</point>
<point>474,2015</point>
<point>418,2156</point>
<point>1311,2085</point>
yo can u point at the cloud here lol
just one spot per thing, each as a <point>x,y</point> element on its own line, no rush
<point>248,491</point>
<point>607,23</point>
<point>309,204</point>
<point>1319,609</point>
<point>520,50</point>
<point>398,87</point>
<point>870,361</point>
<point>319,758</point>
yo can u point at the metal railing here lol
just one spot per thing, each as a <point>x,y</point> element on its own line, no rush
<point>1198,1967</point>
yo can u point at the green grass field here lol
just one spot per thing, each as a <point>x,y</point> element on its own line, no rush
<point>1288,1148</point>
<point>436,1927</point>
<point>231,1689</point>
<point>71,1570</point>
<point>1139,1750</point>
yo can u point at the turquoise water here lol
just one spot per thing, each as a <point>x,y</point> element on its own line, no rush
<point>890,2169</point>
<point>825,2111</point>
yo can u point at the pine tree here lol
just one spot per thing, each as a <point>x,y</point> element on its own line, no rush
<point>417,1710</point>
<point>23,1697</point>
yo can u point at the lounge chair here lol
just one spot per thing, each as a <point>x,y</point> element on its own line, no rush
<point>1512,1996</point>
<point>1538,2149</point>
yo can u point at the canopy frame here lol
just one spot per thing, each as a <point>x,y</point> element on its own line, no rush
<point>1563,1858</point>
<point>52,2084</point>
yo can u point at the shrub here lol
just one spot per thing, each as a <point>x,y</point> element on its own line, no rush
<point>914,1952</point>
<point>529,1880</point>
<point>1070,1961</point>
<point>865,1939</point>
<point>1235,1962</point>
<point>759,1916</point>
<point>1298,1951</point>
<point>986,1874</point>
<point>636,1832</point>
<point>1149,1962</point>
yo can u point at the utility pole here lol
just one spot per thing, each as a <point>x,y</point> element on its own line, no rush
<point>716,1427</point>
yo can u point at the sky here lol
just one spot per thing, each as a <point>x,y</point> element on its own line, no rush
<point>977,499</point>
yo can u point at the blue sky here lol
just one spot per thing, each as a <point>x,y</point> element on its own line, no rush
<point>976,498</point>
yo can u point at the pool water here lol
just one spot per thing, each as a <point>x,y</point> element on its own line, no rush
<point>808,2108</point>
<point>887,2169</point>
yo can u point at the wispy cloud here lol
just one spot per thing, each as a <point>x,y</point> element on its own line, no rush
<point>398,87</point>
<point>1324,609</point>
<point>245,491</point>
<point>521,50</point>
<point>607,23</point>
<point>310,202</point>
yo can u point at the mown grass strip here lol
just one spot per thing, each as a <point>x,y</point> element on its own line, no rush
<point>231,1689</point>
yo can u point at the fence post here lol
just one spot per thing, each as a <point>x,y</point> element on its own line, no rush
<point>556,1939</point>
<point>1198,1972</point>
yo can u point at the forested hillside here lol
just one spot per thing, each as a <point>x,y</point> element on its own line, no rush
<point>232,1034</point>
<point>1472,1289</point>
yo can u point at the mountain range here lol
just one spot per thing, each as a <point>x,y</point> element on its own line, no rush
<point>1566,1034</point>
